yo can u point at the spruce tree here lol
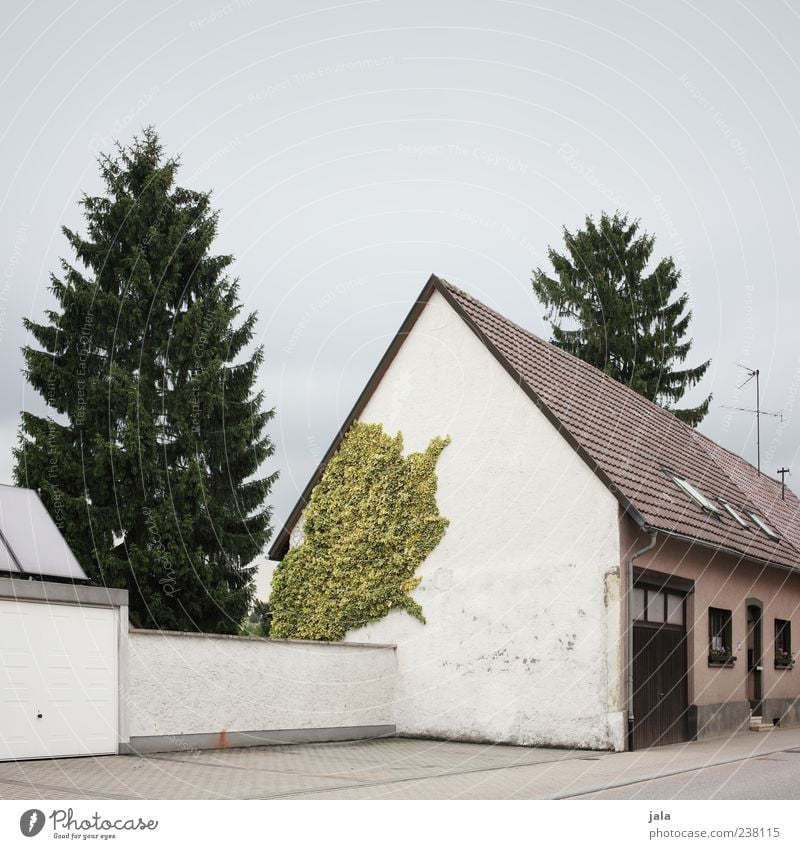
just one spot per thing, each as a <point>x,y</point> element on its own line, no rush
<point>149,460</point>
<point>620,317</point>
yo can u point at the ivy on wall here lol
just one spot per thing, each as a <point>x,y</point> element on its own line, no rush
<point>370,522</point>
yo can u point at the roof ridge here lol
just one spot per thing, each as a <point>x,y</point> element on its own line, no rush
<point>754,469</point>
<point>744,496</point>
<point>735,484</point>
<point>633,393</point>
<point>762,477</point>
<point>572,358</point>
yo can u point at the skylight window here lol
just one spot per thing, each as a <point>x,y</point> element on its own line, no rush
<point>733,514</point>
<point>694,493</point>
<point>763,525</point>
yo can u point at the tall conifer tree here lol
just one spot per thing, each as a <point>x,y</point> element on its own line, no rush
<point>149,461</point>
<point>624,320</point>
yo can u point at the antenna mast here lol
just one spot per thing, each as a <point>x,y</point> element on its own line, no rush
<point>754,373</point>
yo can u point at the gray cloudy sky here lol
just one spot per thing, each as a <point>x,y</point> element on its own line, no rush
<point>354,148</point>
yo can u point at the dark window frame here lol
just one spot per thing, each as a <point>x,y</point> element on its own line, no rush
<point>720,637</point>
<point>783,644</point>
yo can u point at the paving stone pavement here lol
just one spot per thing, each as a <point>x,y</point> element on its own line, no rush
<point>395,768</point>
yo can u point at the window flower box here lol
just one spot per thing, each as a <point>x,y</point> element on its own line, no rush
<point>720,657</point>
<point>783,660</point>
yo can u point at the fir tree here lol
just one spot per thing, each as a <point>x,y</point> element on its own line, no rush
<point>149,460</point>
<point>621,318</point>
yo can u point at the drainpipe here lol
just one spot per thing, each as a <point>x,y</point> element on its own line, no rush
<point>629,615</point>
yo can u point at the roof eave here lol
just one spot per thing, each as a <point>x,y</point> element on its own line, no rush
<point>724,549</point>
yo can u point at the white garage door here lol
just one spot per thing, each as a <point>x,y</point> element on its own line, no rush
<point>58,680</point>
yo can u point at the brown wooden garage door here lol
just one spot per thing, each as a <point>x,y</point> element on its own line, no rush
<point>660,687</point>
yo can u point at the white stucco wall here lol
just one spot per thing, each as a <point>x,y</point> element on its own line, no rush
<point>522,641</point>
<point>202,684</point>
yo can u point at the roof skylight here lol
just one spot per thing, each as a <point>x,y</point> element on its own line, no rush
<point>763,525</point>
<point>694,493</point>
<point>732,513</point>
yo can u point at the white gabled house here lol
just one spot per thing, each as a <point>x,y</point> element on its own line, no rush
<point>587,526</point>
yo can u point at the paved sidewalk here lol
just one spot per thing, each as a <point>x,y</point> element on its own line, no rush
<point>401,769</point>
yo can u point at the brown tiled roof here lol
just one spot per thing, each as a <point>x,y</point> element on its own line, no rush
<point>632,440</point>
<point>627,440</point>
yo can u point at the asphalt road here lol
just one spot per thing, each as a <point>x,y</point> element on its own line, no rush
<point>773,776</point>
<point>745,766</point>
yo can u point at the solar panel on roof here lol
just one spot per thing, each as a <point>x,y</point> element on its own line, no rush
<point>7,563</point>
<point>31,534</point>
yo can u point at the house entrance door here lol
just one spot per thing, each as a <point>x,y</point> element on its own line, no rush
<point>754,659</point>
<point>660,690</point>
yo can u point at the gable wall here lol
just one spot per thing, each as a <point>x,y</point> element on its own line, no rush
<point>522,596</point>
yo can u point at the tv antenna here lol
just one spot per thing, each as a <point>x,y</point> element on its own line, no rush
<point>754,373</point>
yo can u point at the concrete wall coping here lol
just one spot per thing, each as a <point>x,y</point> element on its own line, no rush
<point>200,635</point>
<point>240,739</point>
<point>23,589</point>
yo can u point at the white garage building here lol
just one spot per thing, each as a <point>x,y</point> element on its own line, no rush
<point>62,642</point>
<point>75,680</point>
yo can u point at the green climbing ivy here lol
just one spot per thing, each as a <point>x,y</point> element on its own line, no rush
<point>371,521</point>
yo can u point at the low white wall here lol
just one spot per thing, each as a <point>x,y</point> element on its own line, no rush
<point>199,684</point>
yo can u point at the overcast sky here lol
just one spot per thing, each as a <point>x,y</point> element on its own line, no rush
<point>354,148</point>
